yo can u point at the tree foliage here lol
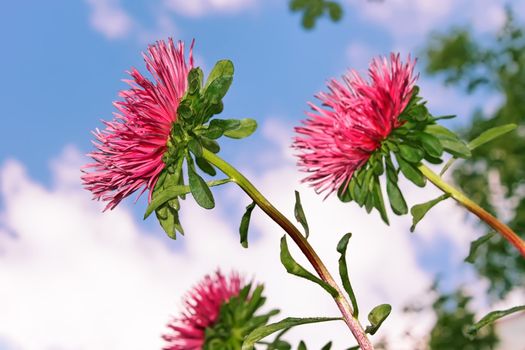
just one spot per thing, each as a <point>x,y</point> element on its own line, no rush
<point>496,66</point>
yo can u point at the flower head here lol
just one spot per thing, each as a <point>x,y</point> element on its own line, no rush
<point>129,151</point>
<point>202,307</point>
<point>218,313</point>
<point>355,118</point>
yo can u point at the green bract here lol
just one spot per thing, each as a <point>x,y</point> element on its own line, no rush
<point>194,131</point>
<point>237,319</point>
<point>419,138</point>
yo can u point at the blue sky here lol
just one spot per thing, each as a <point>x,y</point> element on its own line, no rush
<point>63,62</point>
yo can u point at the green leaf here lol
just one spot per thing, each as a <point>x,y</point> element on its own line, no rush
<point>328,346</point>
<point>490,135</point>
<point>344,194</point>
<point>411,154</point>
<point>343,272</point>
<point>335,11</point>
<point>431,144</point>
<point>397,201</point>
<point>302,346</point>
<point>210,145</point>
<point>292,267</point>
<point>264,331</point>
<point>195,147</point>
<point>195,77</point>
<point>199,189</point>
<point>169,221</point>
<point>223,68</point>
<point>246,128</point>
<point>245,223</point>
<point>171,192</point>
<point>379,203</point>
<point>376,317</point>
<point>491,317</point>
<point>474,246</point>
<point>299,214</point>
<point>225,124</point>
<point>219,81</point>
<point>411,172</point>
<point>419,211</point>
<point>449,140</point>
<point>205,166</point>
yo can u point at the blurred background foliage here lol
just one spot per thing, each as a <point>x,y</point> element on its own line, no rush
<point>495,176</point>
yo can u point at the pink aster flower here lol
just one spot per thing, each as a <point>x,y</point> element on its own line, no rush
<point>202,306</point>
<point>355,118</point>
<point>129,150</point>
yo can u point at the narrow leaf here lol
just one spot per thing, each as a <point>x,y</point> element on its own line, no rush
<point>205,166</point>
<point>328,346</point>
<point>411,154</point>
<point>264,331</point>
<point>474,246</point>
<point>431,145</point>
<point>246,128</point>
<point>302,346</point>
<point>458,148</point>
<point>195,147</point>
<point>379,202</point>
<point>490,135</point>
<point>299,214</point>
<point>377,316</point>
<point>245,223</point>
<point>169,221</point>
<point>419,211</point>
<point>397,201</point>
<point>343,272</point>
<point>411,172</point>
<point>199,189</point>
<point>172,192</point>
<point>491,317</point>
<point>294,268</point>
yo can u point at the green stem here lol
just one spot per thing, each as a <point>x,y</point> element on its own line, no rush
<point>484,215</point>
<point>299,239</point>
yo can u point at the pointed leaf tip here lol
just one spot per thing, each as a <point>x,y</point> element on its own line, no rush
<point>299,214</point>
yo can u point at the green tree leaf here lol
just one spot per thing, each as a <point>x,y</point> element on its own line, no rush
<point>376,317</point>
<point>299,214</point>
<point>474,246</point>
<point>292,267</point>
<point>491,317</point>
<point>289,322</point>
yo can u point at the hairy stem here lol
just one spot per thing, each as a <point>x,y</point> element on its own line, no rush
<point>299,239</point>
<point>484,215</point>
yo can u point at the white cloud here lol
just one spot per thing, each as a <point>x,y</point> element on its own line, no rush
<point>110,19</point>
<point>203,7</point>
<point>82,279</point>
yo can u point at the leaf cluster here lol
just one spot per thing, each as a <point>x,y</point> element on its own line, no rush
<point>419,138</point>
<point>192,134</point>
<point>237,319</point>
<point>497,66</point>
